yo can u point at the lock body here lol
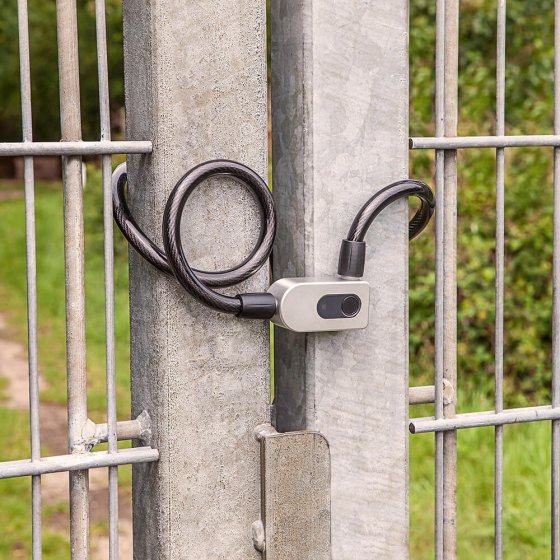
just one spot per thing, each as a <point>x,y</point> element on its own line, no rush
<point>320,304</point>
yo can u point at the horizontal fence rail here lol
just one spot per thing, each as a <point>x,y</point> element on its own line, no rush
<point>485,418</point>
<point>460,142</point>
<point>74,148</point>
<point>77,461</point>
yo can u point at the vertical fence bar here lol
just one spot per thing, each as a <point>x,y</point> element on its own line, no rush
<point>27,127</point>
<point>340,132</point>
<point>105,121</point>
<point>439,285</point>
<point>499,335</point>
<point>450,277</point>
<point>69,79</point>
<point>196,86</point>
<point>555,475</point>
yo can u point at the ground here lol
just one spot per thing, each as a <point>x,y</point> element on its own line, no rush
<point>14,369</point>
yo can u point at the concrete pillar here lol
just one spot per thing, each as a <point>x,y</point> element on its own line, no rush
<point>196,87</point>
<point>340,132</point>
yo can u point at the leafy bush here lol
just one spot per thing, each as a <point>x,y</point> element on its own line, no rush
<point>528,197</point>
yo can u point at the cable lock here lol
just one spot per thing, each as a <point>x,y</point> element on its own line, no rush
<point>173,261</point>
<point>282,302</point>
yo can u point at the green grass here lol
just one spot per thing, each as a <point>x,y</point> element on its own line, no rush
<point>50,287</point>
<point>15,494</point>
<point>526,492</point>
<point>15,497</point>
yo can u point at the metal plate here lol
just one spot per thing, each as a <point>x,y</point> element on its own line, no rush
<point>296,506</point>
<point>298,298</point>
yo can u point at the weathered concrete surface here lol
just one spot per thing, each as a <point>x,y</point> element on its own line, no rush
<point>340,128</point>
<point>196,87</point>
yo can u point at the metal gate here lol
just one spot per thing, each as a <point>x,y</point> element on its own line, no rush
<point>196,89</point>
<point>210,65</point>
<point>446,422</point>
<point>83,434</point>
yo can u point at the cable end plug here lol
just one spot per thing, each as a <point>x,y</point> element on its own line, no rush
<point>260,305</point>
<point>352,258</point>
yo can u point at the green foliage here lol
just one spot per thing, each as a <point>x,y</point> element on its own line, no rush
<point>44,70</point>
<point>528,270</point>
<point>528,198</point>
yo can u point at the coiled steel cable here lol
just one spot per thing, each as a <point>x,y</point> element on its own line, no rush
<point>173,261</point>
<point>199,283</point>
<point>381,199</point>
<point>352,255</point>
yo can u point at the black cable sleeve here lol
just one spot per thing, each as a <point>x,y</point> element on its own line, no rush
<point>173,260</point>
<point>352,253</point>
<point>172,230</point>
<point>381,199</point>
<point>199,283</point>
<point>130,229</point>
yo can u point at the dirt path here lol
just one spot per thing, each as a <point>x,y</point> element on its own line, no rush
<point>54,487</point>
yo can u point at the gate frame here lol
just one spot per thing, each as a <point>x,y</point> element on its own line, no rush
<point>339,133</point>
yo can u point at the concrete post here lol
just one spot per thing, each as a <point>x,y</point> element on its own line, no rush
<point>340,131</point>
<point>196,87</point>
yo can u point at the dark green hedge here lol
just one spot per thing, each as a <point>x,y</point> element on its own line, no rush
<point>44,69</point>
<point>528,198</point>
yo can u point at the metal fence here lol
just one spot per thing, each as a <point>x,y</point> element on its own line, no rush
<point>446,422</point>
<point>219,394</point>
<point>82,433</point>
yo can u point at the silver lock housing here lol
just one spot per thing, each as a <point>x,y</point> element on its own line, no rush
<point>298,299</point>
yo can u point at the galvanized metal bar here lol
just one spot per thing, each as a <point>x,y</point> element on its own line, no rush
<point>485,418</point>
<point>325,133</point>
<point>74,148</point>
<point>31,270</point>
<point>450,278</point>
<point>439,283</point>
<point>555,470</point>
<point>498,141</point>
<point>77,462</point>
<point>139,428</point>
<point>106,170</point>
<point>295,496</point>
<point>427,394</point>
<point>499,319</point>
<point>69,82</point>
<point>422,395</point>
<point>204,377</point>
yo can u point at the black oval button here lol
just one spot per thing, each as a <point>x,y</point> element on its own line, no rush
<point>339,306</point>
<point>351,306</point>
